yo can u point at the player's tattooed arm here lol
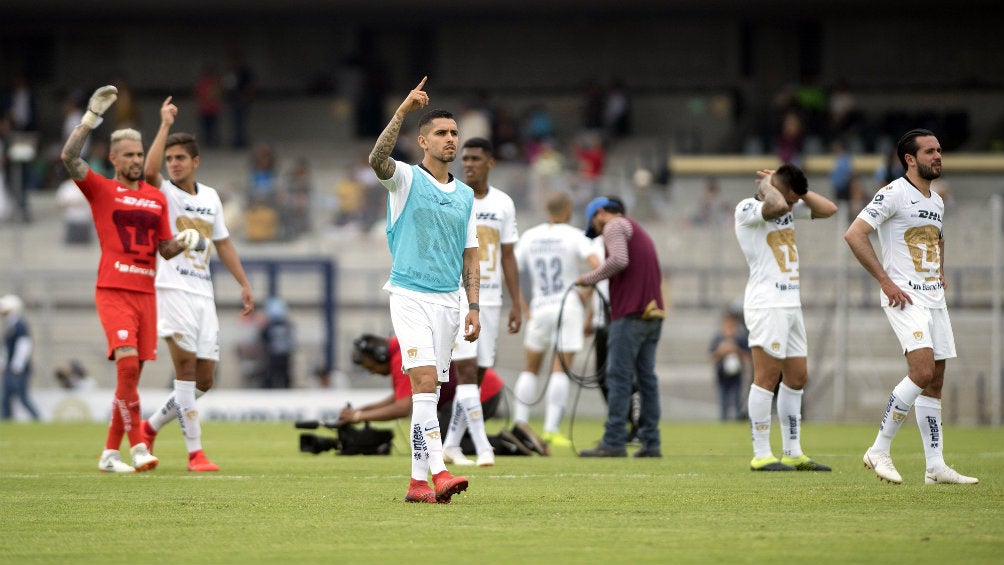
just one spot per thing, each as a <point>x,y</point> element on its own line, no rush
<point>380,159</point>
<point>471,275</point>
<point>76,166</point>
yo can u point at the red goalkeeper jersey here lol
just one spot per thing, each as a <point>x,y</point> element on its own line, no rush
<point>130,224</point>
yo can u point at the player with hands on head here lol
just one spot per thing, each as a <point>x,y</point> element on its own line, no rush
<point>432,236</point>
<point>909,218</point>
<point>186,306</point>
<point>772,307</point>
<point>133,226</point>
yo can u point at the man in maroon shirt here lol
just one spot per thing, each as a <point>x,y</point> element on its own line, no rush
<point>636,314</point>
<point>131,219</point>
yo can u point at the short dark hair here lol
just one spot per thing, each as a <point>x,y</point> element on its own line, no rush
<point>186,140</point>
<point>432,115</point>
<point>792,178</point>
<point>908,144</point>
<point>480,143</point>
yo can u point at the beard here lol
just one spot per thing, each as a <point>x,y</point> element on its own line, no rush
<point>926,172</point>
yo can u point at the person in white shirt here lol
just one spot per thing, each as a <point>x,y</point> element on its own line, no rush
<point>551,255</point>
<point>495,216</point>
<point>765,229</point>
<point>186,307</point>
<point>908,216</point>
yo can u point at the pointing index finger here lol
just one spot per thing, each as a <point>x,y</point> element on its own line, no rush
<point>421,84</point>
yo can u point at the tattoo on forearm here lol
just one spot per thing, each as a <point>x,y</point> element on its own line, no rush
<point>472,284</point>
<point>380,159</point>
<point>76,166</point>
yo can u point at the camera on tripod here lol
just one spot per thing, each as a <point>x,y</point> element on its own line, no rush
<point>349,441</point>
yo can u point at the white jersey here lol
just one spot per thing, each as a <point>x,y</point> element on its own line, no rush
<point>552,255</point>
<point>495,216</point>
<point>769,247</point>
<point>203,211</point>
<point>909,227</point>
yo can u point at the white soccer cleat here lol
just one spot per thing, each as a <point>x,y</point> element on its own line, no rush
<point>455,456</point>
<point>142,459</point>
<point>486,459</point>
<point>948,476</point>
<point>881,463</point>
<point>111,462</point>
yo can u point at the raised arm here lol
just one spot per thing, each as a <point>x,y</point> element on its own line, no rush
<point>155,154</point>
<point>380,159</point>
<point>821,206</point>
<point>100,101</point>
<point>774,204</point>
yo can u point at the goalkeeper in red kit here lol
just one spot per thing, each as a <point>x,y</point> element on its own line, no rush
<point>131,220</point>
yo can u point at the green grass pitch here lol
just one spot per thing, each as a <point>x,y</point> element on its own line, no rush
<point>698,504</point>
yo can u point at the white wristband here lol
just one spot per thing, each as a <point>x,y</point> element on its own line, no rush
<point>91,120</point>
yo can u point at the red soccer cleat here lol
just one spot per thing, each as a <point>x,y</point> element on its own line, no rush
<point>149,434</point>
<point>198,463</point>
<point>447,485</point>
<point>420,491</point>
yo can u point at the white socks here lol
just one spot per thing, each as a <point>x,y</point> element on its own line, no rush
<point>169,411</point>
<point>426,441</point>
<point>525,393</point>
<point>928,411</point>
<point>469,399</point>
<point>188,414</point>
<point>789,412</point>
<point>557,396</point>
<point>900,402</point>
<point>758,407</point>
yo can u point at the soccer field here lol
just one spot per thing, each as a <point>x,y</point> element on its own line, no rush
<point>699,504</point>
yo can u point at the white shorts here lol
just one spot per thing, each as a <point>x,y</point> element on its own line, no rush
<point>425,332</point>
<point>919,327</point>
<point>543,332</point>
<point>487,343</point>
<point>190,320</point>
<point>780,332</point>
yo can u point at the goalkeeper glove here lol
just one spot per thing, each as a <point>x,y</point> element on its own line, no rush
<point>100,101</point>
<point>190,238</point>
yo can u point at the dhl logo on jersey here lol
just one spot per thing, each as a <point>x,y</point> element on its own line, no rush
<point>139,202</point>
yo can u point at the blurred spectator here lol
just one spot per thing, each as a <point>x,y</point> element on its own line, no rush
<point>97,158</point>
<point>506,134</point>
<point>475,120</point>
<point>539,129</point>
<point>5,209</point>
<point>126,109</point>
<point>78,227</point>
<point>617,111</point>
<point>889,170</point>
<point>591,157</point>
<point>239,85</point>
<point>713,209</point>
<point>20,104</point>
<point>298,189</point>
<point>251,349</point>
<point>209,104</point>
<point>730,357</point>
<point>843,111</point>
<point>73,375</point>
<point>278,339</point>
<point>263,185</point>
<point>944,190</point>
<point>592,106</point>
<point>16,360</point>
<point>842,172</point>
<point>811,98</point>
<point>790,141</point>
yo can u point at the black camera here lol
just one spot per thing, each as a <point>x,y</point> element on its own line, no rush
<point>350,440</point>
